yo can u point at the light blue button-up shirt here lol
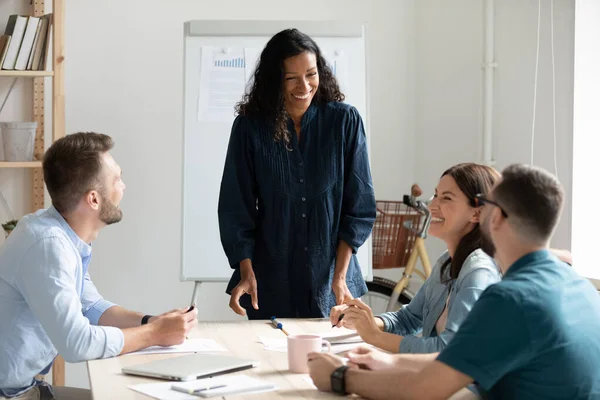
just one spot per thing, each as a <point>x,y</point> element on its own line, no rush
<point>48,303</point>
<point>477,273</point>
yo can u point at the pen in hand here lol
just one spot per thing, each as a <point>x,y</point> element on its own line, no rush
<point>339,320</point>
<point>190,309</point>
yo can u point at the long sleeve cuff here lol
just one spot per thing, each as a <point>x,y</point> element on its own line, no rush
<point>351,241</point>
<point>115,340</point>
<point>94,313</point>
<point>386,322</point>
<point>419,345</point>
<point>407,345</point>
<point>239,254</point>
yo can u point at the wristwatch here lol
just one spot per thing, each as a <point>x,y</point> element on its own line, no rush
<point>145,319</point>
<point>338,380</point>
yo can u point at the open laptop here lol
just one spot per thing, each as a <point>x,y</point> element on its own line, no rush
<point>190,367</point>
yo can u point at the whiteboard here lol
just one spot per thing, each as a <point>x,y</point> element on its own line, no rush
<point>205,141</point>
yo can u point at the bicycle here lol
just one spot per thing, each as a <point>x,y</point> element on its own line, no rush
<point>399,237</point>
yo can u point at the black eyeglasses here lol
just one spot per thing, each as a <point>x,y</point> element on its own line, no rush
<point>480,200</point>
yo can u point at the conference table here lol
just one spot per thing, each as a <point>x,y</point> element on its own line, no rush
<point>242,340</point>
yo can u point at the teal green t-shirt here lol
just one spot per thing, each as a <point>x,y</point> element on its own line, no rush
<point>534,335</point>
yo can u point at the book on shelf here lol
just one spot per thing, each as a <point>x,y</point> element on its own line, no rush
<point>42,55</point>
<point>34,44</point>
<point>28,45</point>
<point>16,29</point>
<point>37,61</point>
<point>4,42</point>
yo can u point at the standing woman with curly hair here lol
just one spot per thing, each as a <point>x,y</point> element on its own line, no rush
<point>296,198</point>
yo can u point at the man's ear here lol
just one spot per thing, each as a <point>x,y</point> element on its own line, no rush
<point>496,219</point>
<point>92,198</point>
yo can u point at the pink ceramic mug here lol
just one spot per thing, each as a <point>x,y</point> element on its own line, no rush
<point>298,348</point>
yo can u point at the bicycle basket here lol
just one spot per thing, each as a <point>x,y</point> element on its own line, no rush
<point>392,241</point>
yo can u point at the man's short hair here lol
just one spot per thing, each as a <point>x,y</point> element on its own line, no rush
<point>532,198</point>
<point>72,167</point>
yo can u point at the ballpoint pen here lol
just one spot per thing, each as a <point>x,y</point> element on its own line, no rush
<point>339,320</point>
<point>194,391</point>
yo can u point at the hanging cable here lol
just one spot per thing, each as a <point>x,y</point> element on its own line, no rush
<point>553,86</point>
<point>535,79</point>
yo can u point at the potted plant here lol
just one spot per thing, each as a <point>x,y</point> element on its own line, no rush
<point>9,226</point>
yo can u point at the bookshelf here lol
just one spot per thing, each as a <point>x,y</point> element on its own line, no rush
<point>40,82</point>
<point>21,164</point>
<point>26,73</point>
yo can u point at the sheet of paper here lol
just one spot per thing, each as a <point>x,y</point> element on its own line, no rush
<point>189,346</point>
<point>234,384</point>
<point>161,391</point>
<point>222,83</point>
<point>346,344</point>
<point>274,344</point>
<point>223,75</point>
<point>341,335</point>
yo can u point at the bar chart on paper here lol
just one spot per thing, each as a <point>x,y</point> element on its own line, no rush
<point>222,83</point>
<point>224,74</point>
<point>232,63</point>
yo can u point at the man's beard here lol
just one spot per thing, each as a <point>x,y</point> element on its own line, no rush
<point>487,245</point>
<point>109,213</point>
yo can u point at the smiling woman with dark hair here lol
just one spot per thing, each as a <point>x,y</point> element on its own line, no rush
<point>296,198</point>
<point>457,280</point>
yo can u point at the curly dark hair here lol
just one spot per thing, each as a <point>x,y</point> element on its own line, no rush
<point>265,97</point>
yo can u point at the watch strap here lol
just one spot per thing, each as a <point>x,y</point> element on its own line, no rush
<point>338,380</point>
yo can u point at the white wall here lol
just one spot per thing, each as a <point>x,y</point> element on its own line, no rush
<point>449,54</point>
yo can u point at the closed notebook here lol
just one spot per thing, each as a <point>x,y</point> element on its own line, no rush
<point>27,43</point>
<point>4,43</point>
<point>16,29</point>
<point>39,46</point>
<point>233,384</point>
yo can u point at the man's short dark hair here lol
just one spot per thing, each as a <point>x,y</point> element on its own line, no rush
<point>532,198</point>
<point>72,167</point>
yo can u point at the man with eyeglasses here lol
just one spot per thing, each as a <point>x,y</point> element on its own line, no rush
<point>534,335</point>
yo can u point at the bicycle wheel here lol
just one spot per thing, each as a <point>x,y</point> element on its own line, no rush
<point>378,296</point>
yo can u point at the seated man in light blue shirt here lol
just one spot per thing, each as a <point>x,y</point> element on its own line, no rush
<point>533,335</point>
<point>48,303</point>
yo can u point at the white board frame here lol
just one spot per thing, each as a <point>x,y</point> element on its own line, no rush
<point>253,29</point>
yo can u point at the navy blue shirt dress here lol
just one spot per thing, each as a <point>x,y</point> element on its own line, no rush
<point>287,208</point>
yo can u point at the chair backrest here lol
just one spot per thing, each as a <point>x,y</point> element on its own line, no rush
<point>392,241</point>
